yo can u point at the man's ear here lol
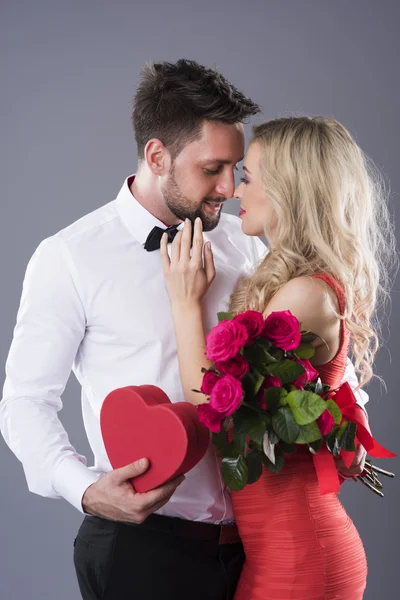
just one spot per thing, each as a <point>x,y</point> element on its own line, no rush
<point>157,157</point>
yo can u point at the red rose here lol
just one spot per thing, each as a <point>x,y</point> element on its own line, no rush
<point>254,323</point>
<point>325,422</point>
<point>210,418</point>
<point>226,395</point>
<point>225,340</point>
<point>210,378</point>
<point>282,329</point>
<point>236,366</point>
<point>309,374</point>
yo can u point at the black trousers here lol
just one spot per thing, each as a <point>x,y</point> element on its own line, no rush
<point>121,561</point>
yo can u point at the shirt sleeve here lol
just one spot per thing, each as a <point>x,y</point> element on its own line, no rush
<point>50,327</point>
<point>351,377</point>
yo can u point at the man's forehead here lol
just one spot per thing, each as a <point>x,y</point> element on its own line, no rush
<point>203,162</point>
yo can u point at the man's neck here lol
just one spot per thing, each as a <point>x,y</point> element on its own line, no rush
<point>143,189</point>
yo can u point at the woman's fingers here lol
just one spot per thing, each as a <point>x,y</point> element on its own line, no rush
<point>176,247</point>
<point>197,249</point>
<point>186,242</point>
<point>209,265</point>
<point>165,262</point>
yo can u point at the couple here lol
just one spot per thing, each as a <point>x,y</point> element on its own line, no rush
<point>95,299</point>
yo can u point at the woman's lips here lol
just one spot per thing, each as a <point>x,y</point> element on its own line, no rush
<point>242,212</point>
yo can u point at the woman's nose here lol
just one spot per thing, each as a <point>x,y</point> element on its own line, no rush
<point>237,194</point>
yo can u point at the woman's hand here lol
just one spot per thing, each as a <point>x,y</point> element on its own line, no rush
<point>187,277</point>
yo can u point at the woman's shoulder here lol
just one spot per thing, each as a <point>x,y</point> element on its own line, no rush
<point>311,299</point>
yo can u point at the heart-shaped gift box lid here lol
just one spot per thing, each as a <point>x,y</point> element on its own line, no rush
<point>141,422</point>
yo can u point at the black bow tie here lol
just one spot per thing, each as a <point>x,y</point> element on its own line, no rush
<point>155,235</point>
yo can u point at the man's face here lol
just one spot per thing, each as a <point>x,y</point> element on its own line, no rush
<point>201,177</point>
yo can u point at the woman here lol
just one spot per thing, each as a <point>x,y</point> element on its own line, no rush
<point>307,188</point>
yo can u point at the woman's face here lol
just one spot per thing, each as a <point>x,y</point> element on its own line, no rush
<point>255,208</point>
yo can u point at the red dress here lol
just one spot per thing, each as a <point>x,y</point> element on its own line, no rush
<point>299,545</point>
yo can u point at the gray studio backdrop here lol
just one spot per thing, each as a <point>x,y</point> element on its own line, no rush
<point>69,70</point>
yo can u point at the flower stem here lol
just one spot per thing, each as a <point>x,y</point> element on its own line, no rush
<point>251,407</point>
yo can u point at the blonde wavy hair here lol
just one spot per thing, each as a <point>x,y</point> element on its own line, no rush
<point>332,217</point>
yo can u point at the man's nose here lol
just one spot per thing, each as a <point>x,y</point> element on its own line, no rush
<point>226,185</point>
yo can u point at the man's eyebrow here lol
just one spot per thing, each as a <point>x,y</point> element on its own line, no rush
<point>220,161</point>
<point>246,169</point>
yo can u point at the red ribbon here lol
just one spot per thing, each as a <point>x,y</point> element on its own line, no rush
<point>328,477</point>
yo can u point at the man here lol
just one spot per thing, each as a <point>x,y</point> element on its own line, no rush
<point>94,299</point>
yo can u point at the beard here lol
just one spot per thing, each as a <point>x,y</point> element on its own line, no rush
<point>183,208</point>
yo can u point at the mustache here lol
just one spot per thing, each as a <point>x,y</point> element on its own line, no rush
<point>218,200</point>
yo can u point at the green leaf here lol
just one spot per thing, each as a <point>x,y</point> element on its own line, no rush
<point>273,437</point>
<point>230,450</point>
<point>224,316</point>
<point>334,410</point>
<point>279,461</point>
<point>254,465</point>
<point>332,442</point>
<point>287,370</point>
<point>285,425</point>
<point>266,344</point>
<point>235,472</point>
<point>307,337</point>
<point>317,445</point>
<point>251,383</point>
<point>346,436</point>
<point>288,448</point>
<point>304,351</point>
<point>219,439</point>
<point>256,431</point>
<point>239,439</point>
<point>273,398</point>
<point>244,418</point>
<point>306,406</point>
<point>308,433</point>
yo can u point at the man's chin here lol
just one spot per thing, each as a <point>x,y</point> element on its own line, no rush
<point>210,222</point>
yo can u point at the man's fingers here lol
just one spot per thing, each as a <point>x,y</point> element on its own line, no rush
<point>161,493</point>
<point>132,470</point>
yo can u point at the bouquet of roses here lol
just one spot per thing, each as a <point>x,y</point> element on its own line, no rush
<point>262,386</point>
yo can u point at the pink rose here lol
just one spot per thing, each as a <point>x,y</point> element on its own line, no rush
<point>210,418</point>
<point>271,381</point>
<point>254,323</point>
<point>282,329</point>
<point>225,340</point>
<point>236,366</point>
<point>226,395</point>
<point>325,422</point>
<point>210,378</point>
<point>309,374</point>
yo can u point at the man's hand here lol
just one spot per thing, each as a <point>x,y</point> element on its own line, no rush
<point>356,467</point>
<point>113,497</point>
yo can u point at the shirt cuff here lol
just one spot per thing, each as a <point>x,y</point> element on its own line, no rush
<point>71,479</point>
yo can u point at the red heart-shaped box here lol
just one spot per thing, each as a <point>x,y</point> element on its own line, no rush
<point>141,421</point>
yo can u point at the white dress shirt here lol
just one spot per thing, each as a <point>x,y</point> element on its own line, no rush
<point>95,301</point>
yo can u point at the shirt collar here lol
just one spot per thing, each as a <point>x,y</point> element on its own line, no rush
<point>138,220</point>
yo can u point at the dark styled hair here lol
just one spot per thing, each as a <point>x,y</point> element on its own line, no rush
<point>174,99</point>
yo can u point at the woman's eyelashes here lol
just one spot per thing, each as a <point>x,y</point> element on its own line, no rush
<point>244,180</point>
